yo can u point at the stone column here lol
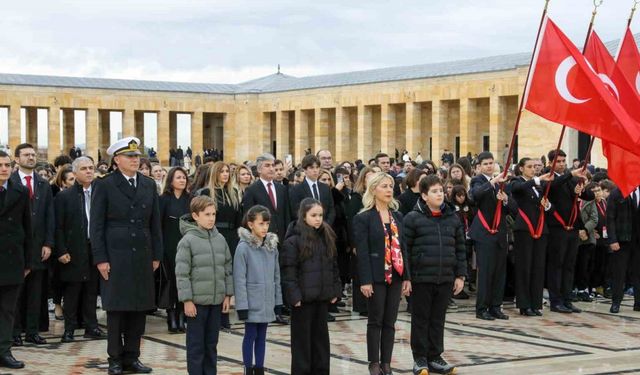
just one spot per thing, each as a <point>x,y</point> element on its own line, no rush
<point>163,139</point>
<point>32,127</point>
<point>439,129</point>
<point>197,133</point>
<point>173,130</point>
<point>92,138</point>
<point>301,134</point>
<point>128,123</point>
<point>14,126</point>
<point>104,132</point>
<point>468,127</point>
<point>413,129</point>
<point>386,126</point>
<point>321,130</point>
<point>138,127</point>
<point>68,130</point>
<point>341,134</point>
<point>282,134</point>
<point>364,132</point>
<point>495,119</point>
<point>53,119</point>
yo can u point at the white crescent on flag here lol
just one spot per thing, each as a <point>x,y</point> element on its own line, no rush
<point>561,81</point>
<point>607,81</point>
<point>638,83</point>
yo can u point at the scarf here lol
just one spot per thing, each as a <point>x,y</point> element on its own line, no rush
<point>392,251</point>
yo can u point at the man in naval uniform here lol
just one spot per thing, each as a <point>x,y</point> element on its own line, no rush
<point>127,247</point>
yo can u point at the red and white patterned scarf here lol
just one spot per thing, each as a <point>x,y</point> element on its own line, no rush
<point>392,252</point>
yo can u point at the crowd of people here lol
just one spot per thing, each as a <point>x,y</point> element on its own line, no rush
<point>292,244</point>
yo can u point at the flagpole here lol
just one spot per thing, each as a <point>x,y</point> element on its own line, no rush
<point>633,11</point>
<point>596,5</point>
<point>517,125</point>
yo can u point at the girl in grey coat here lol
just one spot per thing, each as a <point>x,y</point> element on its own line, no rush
<point>256,278</point>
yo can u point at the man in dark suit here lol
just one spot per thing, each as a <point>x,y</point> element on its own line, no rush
<point>31,297</point>
<point>73,252</point>
<point>490,240</point>
<point>562,248</point>
<point>126,243</point>
<point>266,192</point>
<point>15,256</point>
<point>311,188</point>
<point>623,228</point>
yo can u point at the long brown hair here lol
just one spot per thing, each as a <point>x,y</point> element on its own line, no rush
<point>361,183</point>
<point>168,182</point>
<point>229,192</point>
<point>309,236</point>
<point>201,177</point>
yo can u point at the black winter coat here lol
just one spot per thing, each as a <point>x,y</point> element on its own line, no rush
<point>436,245</point>
<point>71,235</point>
<point>126,232</point>
<point>316,279</point>
<point>15,234</point>
<point>623,218</point>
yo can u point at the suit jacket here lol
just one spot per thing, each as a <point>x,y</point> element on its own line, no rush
<point>562,195</point>
<point>72,236</point>
<point>302,191</point>
<point>257,193</point>
<point>527,200</point>
<point>369,237</point>
<point>15,234</point>
<point>126,232</point>
<point>42,218</point>
<point>484,197</point>
<point>623,218</point>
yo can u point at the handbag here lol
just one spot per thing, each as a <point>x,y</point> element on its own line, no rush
<point>163,288</point>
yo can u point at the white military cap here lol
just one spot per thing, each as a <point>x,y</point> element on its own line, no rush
<point>125,146</point>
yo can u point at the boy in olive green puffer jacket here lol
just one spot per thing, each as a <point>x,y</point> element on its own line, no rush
<point>204,282</point>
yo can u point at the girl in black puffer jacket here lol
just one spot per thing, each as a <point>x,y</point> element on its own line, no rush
<point>435,242</point>
<point>311,280</point>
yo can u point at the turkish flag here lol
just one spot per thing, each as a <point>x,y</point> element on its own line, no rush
<point>629,60</point>
<point>624,167</point>
<point>563,88</point>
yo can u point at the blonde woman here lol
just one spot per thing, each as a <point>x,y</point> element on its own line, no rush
<point>243,178</point>
<point>382,268</point>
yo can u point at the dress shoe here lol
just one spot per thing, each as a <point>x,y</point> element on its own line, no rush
<point>537,312</point>
<point>67,336</point>
<point>615,308</point>
<point>137,367</point>
<point>115,367</point>
<point>331,318</point>
<point>95,333</point>
<point>281,320</point>
<point>527,312</point>
<point>484,315</point>
<point>258,371</point>
<point>35,339</point>
<point>571,307</point>
<point>584,296</point>
<point>17,341</point>
<point>498,314</point>
<point>8,361</point>
<point>386,368</point>
<point>560,309</point>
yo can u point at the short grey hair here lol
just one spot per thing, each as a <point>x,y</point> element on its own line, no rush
<point>75,166</point>
<point>264,157</point>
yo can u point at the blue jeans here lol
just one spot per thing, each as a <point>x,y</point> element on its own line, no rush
<point>255,338</point>
<point>202,339</point>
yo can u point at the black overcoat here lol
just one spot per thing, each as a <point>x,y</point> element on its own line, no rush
<point>15,234</point>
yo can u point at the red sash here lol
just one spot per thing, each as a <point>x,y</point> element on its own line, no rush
<point>572,218</point>
<point>496,219</point>
<point>537,233</point>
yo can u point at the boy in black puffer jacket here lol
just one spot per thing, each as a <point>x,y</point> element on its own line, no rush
<point>435,242</point>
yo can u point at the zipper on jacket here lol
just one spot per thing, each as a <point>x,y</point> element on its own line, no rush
<point>213,258</point>
<point>440,252</point>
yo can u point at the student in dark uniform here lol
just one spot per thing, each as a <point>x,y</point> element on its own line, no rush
<point>28,308</point>
<point>174,203</point>
<point>562,248</point>
<point>15,257</point>
<point>126,240</point>
<point>228,210</point>
<point>530,232</point>
<point>73,252</point>
<point>311,188</point>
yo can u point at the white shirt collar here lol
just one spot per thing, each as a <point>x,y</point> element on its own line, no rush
<point>135,177</point>
<point>311,183</point>
<point>23,175</point>
<point>265,182</point>
<point>6,185</point>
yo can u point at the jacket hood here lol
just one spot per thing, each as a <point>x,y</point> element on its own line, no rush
<point>188,225</point>
<point>270,241</point>
<point>421,206</point>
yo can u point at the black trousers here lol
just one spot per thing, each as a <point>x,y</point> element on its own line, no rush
<point>584,266</point>
<point>383,312</point>
<point>562,251</point>
<point>530,257</point>
<point>492,274</point>
<point>81,296</point>
<point>202,340</point>
<point>27,315</point>
<point>625,267</point>
<point>8,299</point>
<point>310,339</point>
<point>600,266</point>
<point>124,332</point>
<point>427,318</point>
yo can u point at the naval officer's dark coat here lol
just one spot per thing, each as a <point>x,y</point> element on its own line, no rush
<point>126,232</point>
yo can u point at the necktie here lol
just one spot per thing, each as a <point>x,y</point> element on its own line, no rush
<point>132,182</point>
<point>272,197</point>
<point>315,192</point>
<point>87,207</point>
<point>29,186</point>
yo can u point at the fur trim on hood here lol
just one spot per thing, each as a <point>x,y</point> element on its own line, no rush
<point>270,241</point>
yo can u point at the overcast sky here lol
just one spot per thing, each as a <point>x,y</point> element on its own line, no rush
<point>236,40</point>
